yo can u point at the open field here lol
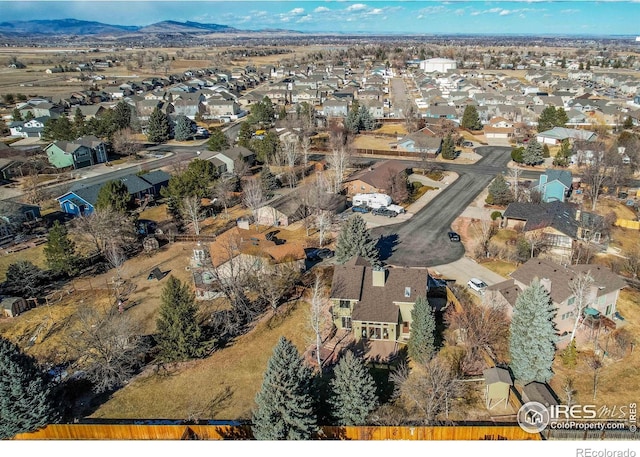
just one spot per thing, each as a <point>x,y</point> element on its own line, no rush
<point>222,386</point>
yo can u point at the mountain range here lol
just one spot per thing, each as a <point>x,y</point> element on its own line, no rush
<point>67,27</point>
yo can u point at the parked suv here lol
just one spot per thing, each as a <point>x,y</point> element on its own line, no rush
<point>477,284</point>
<point>384,212</point>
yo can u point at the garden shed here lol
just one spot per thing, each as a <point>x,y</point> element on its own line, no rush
<point>499,382</point>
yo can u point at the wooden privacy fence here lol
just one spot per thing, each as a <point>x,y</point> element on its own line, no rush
<point>243,432</point>
<point>627,223</point>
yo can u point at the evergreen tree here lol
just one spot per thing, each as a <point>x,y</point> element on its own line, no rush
<point>79,123</point>
<point>354,391</point>
<point>448,148</point>
<point>159,128</point>
<point>182,130</point>
<point>268,180</point>
<point>352,121</point>
<point>628,123</point>
<point>60,251</point>
<point>516,154</point>
<point>365,119</point>
<point>471,119</point>
<point>284,403</point>
<point>114,195</point>
<point>422,343</point>
<point>533,154</point>
<point>121,116</point>
<point>546,153</point>
<point>26,403</point>
<point>218,141</point>
<point>563,156</point>
<point>533,337</point>
<point>245,134</point>
<point>24,279</point>
<point>59,129</point>
<point>179,335</point>
<point>499,192</point>
<point>547,119</point>
<point>561,117</point>
<point>16,115</point>
<point>28,116</point>
<point>355,240</point>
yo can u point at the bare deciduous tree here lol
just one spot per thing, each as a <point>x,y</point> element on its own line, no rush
<point>514,175</point>
<point>104,226</point>
<point>191,209</point>
<point>124,142</point>
<point>116,257</point>
<point>580,287</point>
<point>323,224</point>
<point>305,146</point>
<point>222,193</point>
<point>595,174</point>
<point>253,197</point>
<point>338,161</point>
<point>317,317</point>
<point>483,230</point>
<point>428,390</point>
<point>109,347</point>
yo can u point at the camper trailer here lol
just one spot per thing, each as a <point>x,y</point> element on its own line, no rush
<point>372,201</point>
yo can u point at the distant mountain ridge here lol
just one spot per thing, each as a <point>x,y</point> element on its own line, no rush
<point>65,27</point>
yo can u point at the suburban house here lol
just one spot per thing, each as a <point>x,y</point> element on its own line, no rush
<point>375,179</point>
<point>217,107</point>
<point>13,216</point>
<point>225,161</point>
<point>555,185</point>
<point>375,303</point>
<point>81,200</point>
<point>296,206</point>
<point>499,128</point>
<point>420,144</point>
<point>83,152</point>
<point>556,279</point>
<point>558,222</point>
<point>335,108</point>
<point>556,135</point>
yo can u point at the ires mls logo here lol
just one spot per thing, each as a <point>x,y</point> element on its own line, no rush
<point>534,417</point>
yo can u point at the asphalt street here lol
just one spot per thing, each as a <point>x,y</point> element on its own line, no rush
<point>423,240</point>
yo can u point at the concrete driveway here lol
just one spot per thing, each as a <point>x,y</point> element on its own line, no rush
<point>422,240</point>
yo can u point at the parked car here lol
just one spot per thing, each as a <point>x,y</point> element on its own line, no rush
<point>477,284</point>
<point>359,209</point>
<point>324,253</point>
<point>467,144</point>
<point>453,236</point>
<point>384,212</point>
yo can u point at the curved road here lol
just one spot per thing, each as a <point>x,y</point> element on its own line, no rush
<point>422,240</point>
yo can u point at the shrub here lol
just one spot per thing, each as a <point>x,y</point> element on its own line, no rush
<point>495,215</point>
<point>416,185</point>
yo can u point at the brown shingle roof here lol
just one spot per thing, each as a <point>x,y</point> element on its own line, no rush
<point>378,175</point>
<point>347,282</point>
<point>508,289</point>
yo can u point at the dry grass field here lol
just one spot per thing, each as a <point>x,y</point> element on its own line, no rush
<point>34,255</point>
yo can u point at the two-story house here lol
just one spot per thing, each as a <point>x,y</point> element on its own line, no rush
<point>375,304</point>
<point>83,152</point>
<point>555,185</point>
<point>556,279</point>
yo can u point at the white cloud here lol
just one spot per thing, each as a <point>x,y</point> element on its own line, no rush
<point>306,18</point>
<point>357,7</point>
<point>297,11</point>
<point>375,11</point>
<point>569,11</point>
<point>321,9</point>
<point>433,9</point>
<point>505,12</point>
<point>459,12</point>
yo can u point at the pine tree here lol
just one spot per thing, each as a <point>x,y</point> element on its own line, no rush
<point>471,119</point>
<point>60,250</point>
<point>244,135</point>
<point>121,116</point>
<point>284,403</point>
<point>268,180</point>
<point>16,115</point>
<point>24,279</point>
<point>533,153</point>
<point>355,240</point>
<point>365,119</point>
<point>158,129</point>
<point>448,149</point>
<point>28,116</point>
<point>59,129</point>
<point>422,343</point>
<point>79,122</point>
<point>182,130</point>
<point>179,335</point>
<point>26,403</point>
<point>561,117</point>
<point>499,192</point>
<point>563,156</point>
<point>218,141</point>
<point>547,119</point>
<point>354,391</point>
<point>352,121</point>
<point>533,337</point>
<point>114,195</point>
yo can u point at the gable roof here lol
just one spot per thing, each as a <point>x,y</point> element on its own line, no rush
<point>559,215</point>
<point>156,177</point>
<point>564,176</point>
<point>494,375</point>
<point>508,289</point>
<point>378,175</point>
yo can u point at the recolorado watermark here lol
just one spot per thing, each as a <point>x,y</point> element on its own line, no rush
<point>534,417</point>
<point>589,452</point>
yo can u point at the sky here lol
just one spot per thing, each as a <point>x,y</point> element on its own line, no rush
<point>529,17</point>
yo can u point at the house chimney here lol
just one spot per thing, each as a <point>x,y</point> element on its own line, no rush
<point>546,283</point>
<point>578,215</point>
<point>379,276</point>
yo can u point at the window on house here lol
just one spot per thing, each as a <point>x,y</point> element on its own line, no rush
<point>601,300</point>
<point>345,304</point>
<point>571,301</point>
<point>609,309</point>
<point>407,291</point>
<point>405,327</point>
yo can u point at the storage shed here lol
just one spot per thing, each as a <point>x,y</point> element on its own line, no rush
<point>499,384</point>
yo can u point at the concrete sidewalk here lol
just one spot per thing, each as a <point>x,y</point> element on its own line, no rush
<point>448,178</point>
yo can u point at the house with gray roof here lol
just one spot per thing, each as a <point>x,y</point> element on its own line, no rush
<point>555,185</point>
<point>556,135</point>
<point>602,296</point>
